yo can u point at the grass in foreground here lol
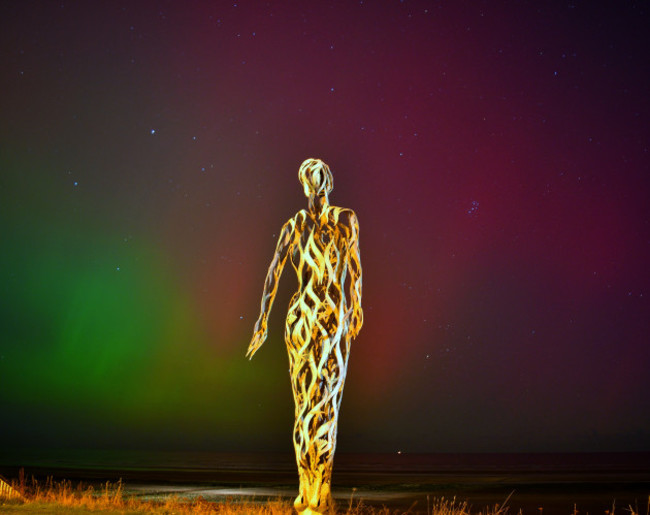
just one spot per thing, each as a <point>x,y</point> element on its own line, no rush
<point>65,498</point>
<point>62,497</point>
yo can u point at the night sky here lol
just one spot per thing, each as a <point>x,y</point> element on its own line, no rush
<point>496,154</point>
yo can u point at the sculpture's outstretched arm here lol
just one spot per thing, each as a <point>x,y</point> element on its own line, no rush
<point>271,287</point>
<point>354,264</point>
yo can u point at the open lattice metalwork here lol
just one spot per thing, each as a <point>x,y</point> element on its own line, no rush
<point>324,315</point>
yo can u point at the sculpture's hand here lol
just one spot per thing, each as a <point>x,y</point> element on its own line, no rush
<point>259,336</point>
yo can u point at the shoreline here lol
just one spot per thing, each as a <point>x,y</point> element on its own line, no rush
<point>553,492</point>
<point>554,483</point>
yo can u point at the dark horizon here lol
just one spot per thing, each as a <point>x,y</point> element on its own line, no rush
<point>184,462</point>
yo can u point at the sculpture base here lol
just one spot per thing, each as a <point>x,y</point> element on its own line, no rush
<point>309,511</point>
<point>331,508</point>
<point>320,502</point>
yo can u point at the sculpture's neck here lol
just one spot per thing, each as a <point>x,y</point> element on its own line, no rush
<point>318,204</point>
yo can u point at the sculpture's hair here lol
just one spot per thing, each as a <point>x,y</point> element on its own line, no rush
<point>316,177</point>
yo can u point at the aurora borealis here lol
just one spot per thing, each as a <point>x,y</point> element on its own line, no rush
<point>496,154</point>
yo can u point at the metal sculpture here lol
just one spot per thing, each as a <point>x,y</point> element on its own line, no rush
<point>324,316</point>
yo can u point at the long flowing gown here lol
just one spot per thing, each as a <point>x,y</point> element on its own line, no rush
<point>324,253</point>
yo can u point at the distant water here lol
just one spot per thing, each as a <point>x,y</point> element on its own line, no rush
<point>394,463</point>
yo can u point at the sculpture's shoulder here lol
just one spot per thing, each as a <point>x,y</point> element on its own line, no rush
<point>344,216</point>
<point>299,219</point>
<point>293,227</point>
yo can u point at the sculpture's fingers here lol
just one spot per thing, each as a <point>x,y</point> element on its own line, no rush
<point>256,343</point>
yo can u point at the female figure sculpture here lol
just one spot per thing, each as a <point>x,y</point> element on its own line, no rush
<point>324,316</point>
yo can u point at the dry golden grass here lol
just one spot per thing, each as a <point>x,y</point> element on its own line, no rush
<point>63,497</point>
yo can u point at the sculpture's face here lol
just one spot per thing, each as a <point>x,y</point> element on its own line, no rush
<point>314,185</point>
<point>315,177</point>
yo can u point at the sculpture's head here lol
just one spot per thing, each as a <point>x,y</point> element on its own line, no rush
<point>315,177</point>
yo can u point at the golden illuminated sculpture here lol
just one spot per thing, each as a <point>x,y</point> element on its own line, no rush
<point>324,316</point>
